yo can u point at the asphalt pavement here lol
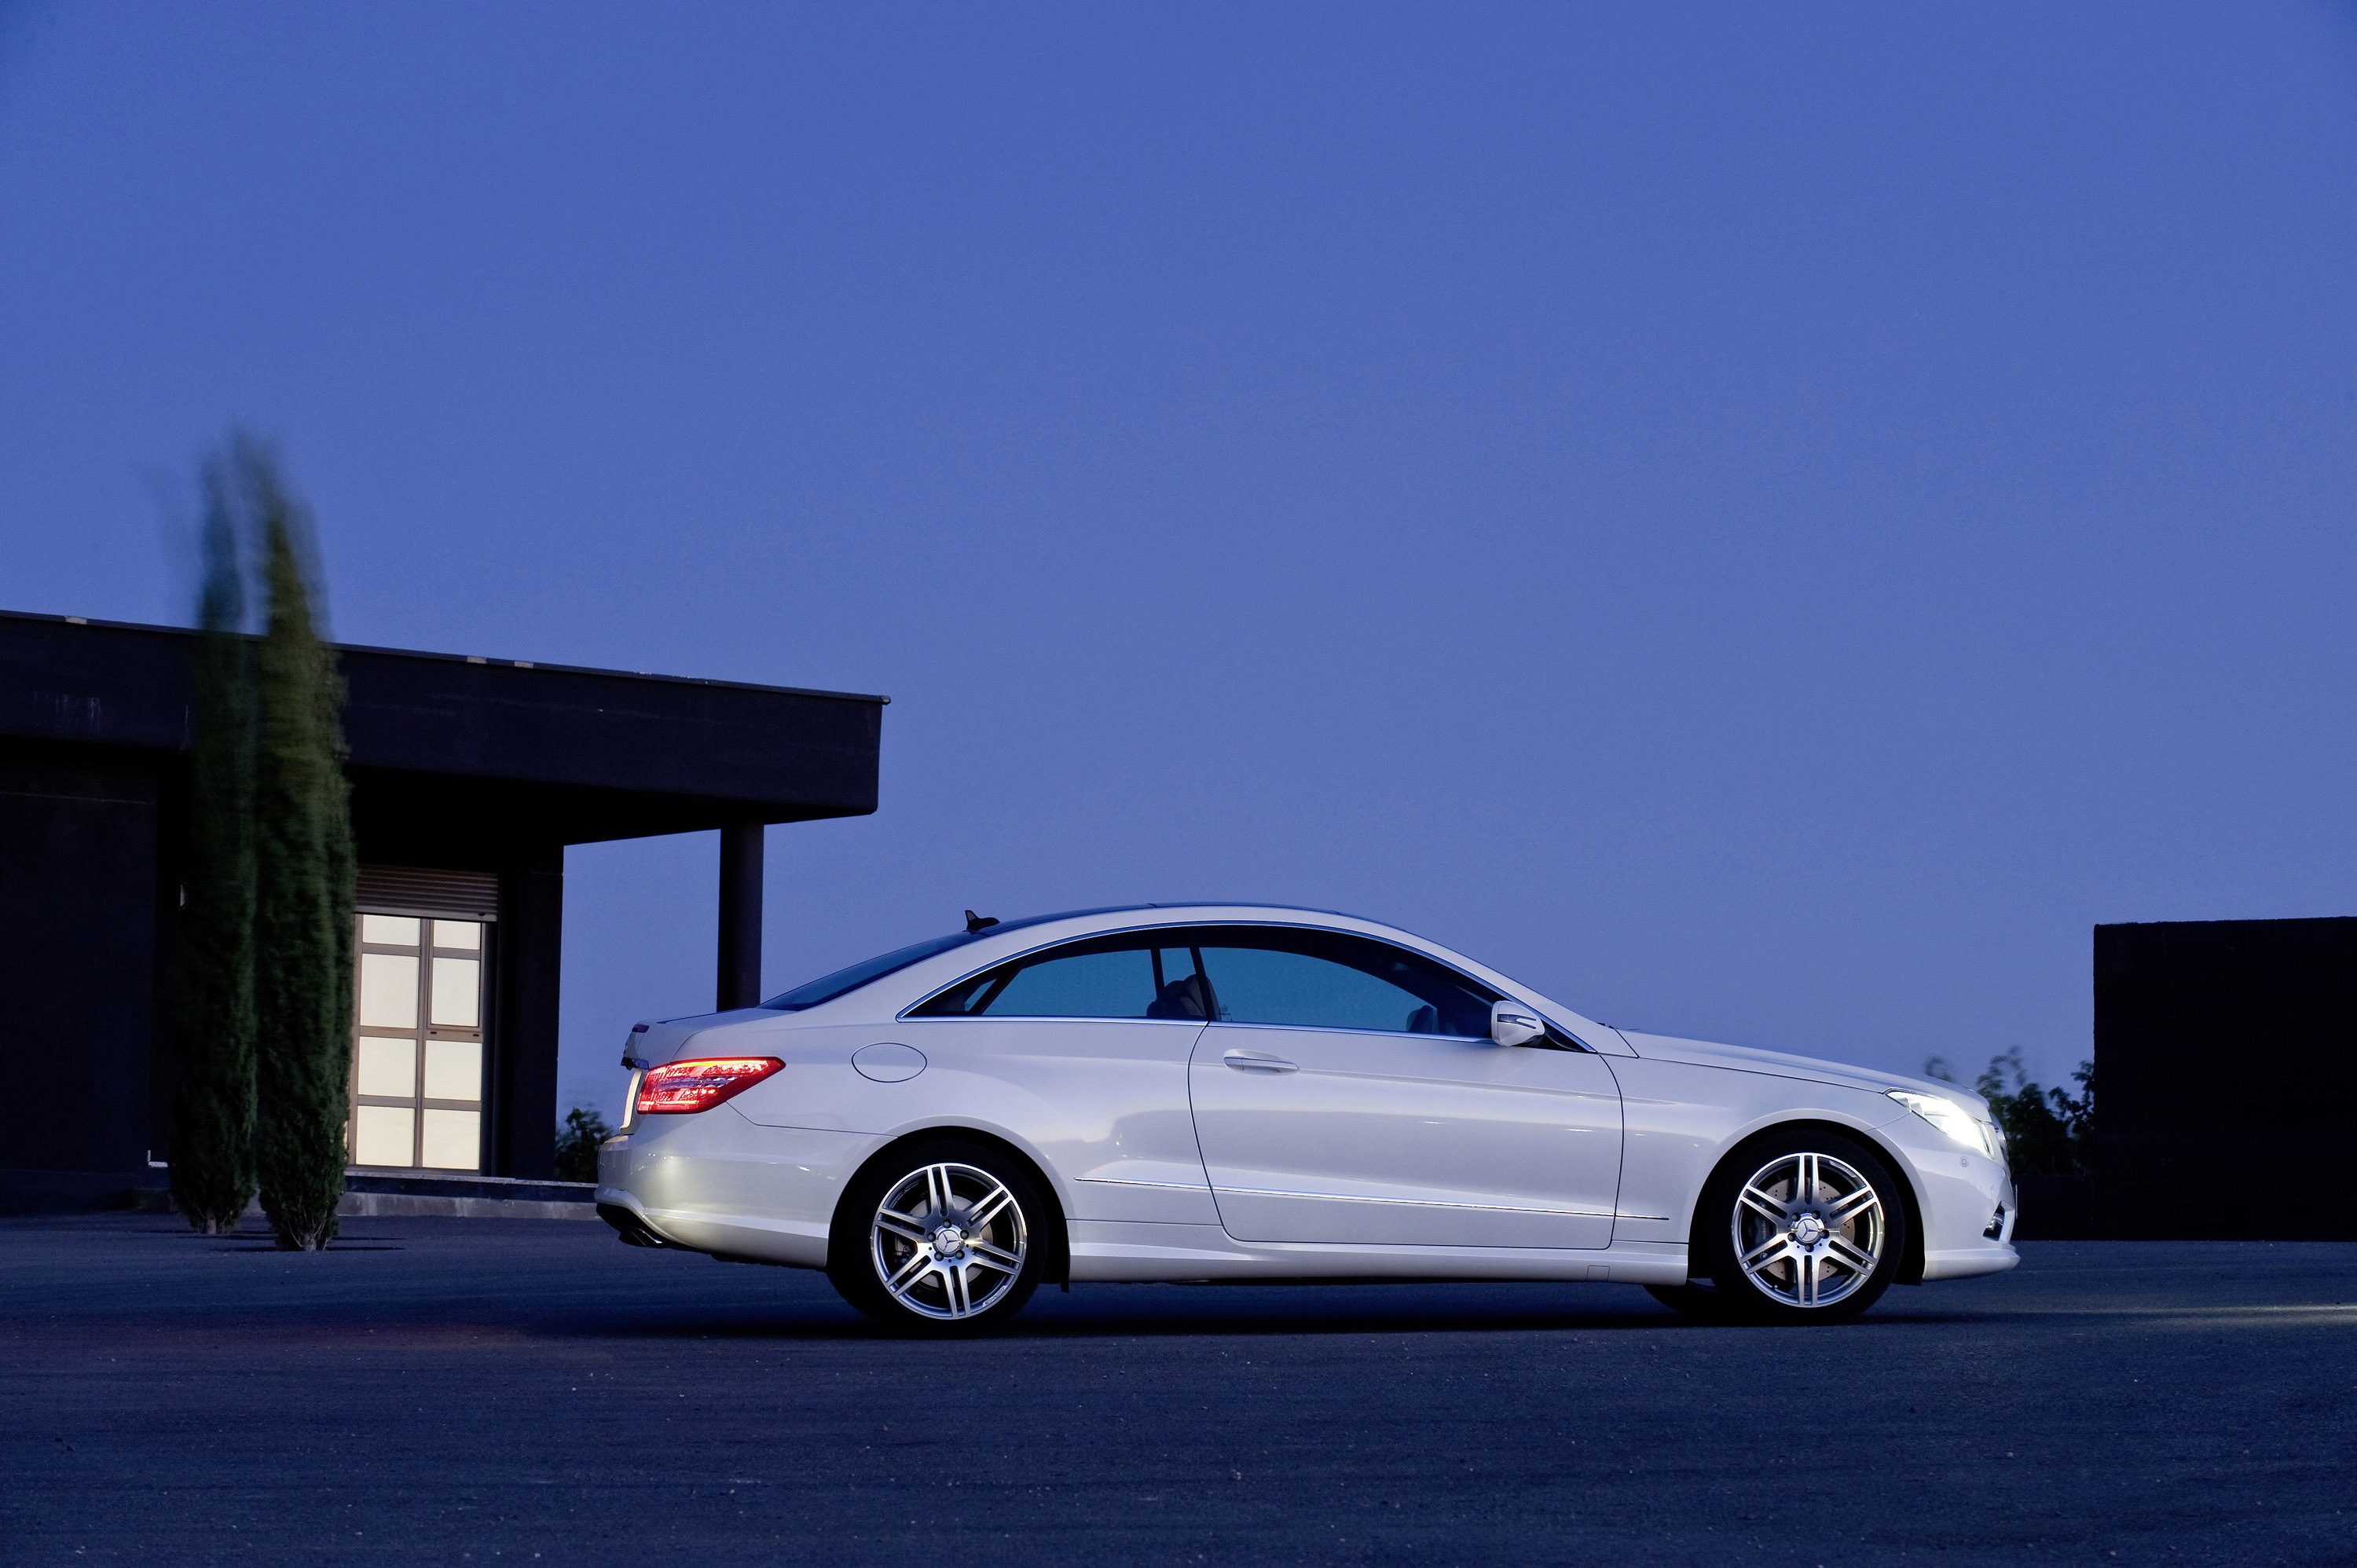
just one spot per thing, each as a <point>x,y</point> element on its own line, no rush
<point>455,1391</point>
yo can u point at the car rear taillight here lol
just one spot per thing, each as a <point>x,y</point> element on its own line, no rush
<point>701,1084</point>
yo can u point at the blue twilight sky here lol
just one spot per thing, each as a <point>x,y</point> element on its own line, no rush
<point>1763,522</point>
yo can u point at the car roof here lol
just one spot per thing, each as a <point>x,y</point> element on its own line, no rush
<point>1018,924</point>
<point>972,951</point>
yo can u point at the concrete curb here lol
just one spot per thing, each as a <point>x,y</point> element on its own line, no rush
<point>380,1205</point>
<point>382,1195</point>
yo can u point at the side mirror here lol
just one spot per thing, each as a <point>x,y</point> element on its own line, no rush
<point>1512,1023</point>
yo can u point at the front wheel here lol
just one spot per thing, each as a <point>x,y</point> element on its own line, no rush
<point>1807,1227</point>
<point>939,1239</point>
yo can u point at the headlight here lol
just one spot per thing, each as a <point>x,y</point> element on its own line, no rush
<point>1950,1118</point>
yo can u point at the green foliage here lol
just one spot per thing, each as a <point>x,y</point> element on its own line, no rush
<point>2046,1129</point>
<point>577,1144</point>
<point>213,1136</point>
<point>304,874</point>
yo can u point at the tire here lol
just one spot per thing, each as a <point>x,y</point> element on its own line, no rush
<point>1801,1227</point>
<point>908,1251</point>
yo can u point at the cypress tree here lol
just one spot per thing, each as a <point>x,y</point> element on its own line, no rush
<point>304,871</point>
<point>213,1129</point>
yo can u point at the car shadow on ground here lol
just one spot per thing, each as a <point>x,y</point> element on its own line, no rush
<point>1179,1322</point>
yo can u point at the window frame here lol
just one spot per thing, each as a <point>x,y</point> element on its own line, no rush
<point>1047,954</point>
<point>937,945</point>
<point>424,1032</point>
<point>1556,1037</point>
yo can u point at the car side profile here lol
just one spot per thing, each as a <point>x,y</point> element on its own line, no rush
<point>1207,1092</point>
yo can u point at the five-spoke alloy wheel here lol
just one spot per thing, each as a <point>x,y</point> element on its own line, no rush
<point>1801,1227</point>
<point>939,1239</point>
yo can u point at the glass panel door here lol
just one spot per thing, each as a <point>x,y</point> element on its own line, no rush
<point>417,1048</point>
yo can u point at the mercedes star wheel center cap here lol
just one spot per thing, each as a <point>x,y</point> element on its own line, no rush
<point>1808,1230</point>
<point>949,1240</point>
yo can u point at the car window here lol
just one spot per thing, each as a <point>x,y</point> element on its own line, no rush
<point>1241,974</point>
<point>1129,976</point>
<point>1327,980</point>
<point>844,982</point>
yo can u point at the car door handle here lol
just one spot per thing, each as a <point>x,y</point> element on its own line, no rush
<point>1258,1061</point>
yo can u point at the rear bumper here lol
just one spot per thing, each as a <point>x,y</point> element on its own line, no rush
<point>714,1182</point>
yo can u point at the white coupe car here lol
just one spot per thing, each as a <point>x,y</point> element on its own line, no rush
<point>1232,1091</point>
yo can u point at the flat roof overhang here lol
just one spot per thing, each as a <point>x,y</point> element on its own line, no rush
<point>457,760</point>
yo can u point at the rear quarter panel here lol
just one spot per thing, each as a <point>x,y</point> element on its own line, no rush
<point>1101,1106</point>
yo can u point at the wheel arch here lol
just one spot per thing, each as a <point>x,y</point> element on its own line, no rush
<point>1911,1261</point>
<point>1056,1268</point>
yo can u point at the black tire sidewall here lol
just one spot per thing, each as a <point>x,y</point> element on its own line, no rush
<point>851,1266</point>
<point>1737,1296</point>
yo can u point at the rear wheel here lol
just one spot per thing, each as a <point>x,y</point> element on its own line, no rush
<point>1805,1227</point>
<point>939,1239</point>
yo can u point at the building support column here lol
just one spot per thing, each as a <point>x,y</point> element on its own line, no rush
<point>528,967</point>
<point>741,913</point>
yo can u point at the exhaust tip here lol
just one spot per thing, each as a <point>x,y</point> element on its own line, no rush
<point>630,1227</point>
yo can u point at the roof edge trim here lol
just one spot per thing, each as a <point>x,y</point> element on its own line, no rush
<point>474,658</point>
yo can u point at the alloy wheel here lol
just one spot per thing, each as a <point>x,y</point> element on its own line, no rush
<point>1809,1230</point>
<point>948,1241</point>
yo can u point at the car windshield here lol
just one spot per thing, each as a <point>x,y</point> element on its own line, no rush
<point>842,982</point>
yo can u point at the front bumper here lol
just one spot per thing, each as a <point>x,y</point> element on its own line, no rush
<point>1960,1191</point>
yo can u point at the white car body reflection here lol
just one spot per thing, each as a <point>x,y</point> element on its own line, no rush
<point>1233,1091</point>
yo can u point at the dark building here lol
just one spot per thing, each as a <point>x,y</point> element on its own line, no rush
<point>469,777</point>
<point>2226,1056</point>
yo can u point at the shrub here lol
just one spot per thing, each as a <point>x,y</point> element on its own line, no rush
<point>577,1144</point>
<point>304,867</point>
<point>212,1121</point>
<point>2046,1129</point>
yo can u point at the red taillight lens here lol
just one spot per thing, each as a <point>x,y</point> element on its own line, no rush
<point>701,1084</point>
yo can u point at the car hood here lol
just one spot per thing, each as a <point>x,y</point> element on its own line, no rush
<point>1751,1059</point>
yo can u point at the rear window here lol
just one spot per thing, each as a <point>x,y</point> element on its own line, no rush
<point>842,982</point>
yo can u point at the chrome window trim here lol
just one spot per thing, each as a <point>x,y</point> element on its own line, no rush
<point>904,1016</point>
<point>1032,1017</point>
<point>1584,1048</point>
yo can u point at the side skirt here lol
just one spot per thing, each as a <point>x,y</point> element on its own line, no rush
<point>1107,1251</point>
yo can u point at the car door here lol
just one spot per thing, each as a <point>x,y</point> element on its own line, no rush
<point>1346,1091</point>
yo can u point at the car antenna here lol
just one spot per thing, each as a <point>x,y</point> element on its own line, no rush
<point>975,922</point>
